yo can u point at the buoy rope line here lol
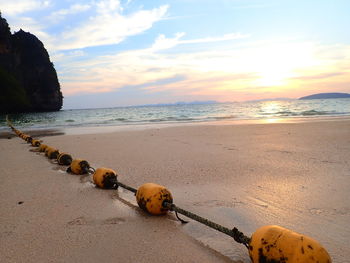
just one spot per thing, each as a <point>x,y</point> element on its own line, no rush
<point>235,233</point>
<point>267,244</point>
<point>238,236</point>
<point>127,187</point>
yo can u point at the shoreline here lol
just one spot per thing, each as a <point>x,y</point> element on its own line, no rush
<point>292,174</point>
<point>80,130</point>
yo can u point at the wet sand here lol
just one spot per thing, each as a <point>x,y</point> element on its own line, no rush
<point>296,175</point>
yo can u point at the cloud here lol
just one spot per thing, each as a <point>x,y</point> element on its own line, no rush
<point>67,57</point>
<point>326,75</point>
<point>15,7</point>
<point>108,26</point>
<point>73,9</point>
<point>165,43</point>
<point>106,6</point>
<point>158,82</point>
<point>232,36</point>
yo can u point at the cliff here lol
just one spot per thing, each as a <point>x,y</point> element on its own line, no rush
<point>326,96</point>
<point>28,79</point>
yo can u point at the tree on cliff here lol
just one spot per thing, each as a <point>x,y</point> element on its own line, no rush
<point>28,79</point>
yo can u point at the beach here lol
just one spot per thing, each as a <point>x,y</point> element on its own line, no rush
<point>296,175</point>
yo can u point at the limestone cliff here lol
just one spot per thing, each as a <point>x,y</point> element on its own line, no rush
<point>28,79</point>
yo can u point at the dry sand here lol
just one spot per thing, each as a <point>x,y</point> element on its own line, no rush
<point>296,175</point>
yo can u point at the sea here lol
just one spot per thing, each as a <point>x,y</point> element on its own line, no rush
<point>135,116</point>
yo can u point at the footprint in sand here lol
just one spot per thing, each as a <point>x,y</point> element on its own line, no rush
<point>113,221</point>
<point>78,221</point>
<point>319,211</point>
<point>81,221</point>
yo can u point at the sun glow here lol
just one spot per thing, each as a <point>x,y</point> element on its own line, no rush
<point>275,64</point>
<point>272,76</point>
<point>268,64</point>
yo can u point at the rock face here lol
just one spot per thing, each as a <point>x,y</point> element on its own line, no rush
<point>326,96</point>
<point>28,79</point>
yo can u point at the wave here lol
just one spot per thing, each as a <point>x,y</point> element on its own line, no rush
<point>222,117</point>
<point>314,112</point>
<point>302,113</point>
<point>286,113</point>
<point>169,119</point>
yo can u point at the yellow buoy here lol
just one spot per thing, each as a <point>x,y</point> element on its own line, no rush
<point>79,166</point>
<point>150,197</point>
<point>47,149</point>
<point>42,147</point>
<point>278,244</point>
<point>36,143</point>
<point>51,152</point>
<point>105,178</point>
<point>64,159</point>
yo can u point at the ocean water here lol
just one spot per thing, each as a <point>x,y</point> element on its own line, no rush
<point>121,116</point>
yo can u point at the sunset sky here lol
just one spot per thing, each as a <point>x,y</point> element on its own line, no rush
<point>117,53</point>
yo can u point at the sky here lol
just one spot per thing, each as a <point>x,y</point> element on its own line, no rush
<point>111,53</point>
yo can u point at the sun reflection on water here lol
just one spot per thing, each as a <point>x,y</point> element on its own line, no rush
<point>272,108</point>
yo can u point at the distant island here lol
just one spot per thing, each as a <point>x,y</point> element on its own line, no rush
<point>270,99</point>
<point>179,103</point>
<point>326,96</point>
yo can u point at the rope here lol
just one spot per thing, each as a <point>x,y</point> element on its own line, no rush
<point>238,236</point>
<point>129,188</point>
<point>117,183</point>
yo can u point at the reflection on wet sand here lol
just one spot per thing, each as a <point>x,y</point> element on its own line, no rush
<point>34,133</point>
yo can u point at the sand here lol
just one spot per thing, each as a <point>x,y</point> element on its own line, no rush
<point>296,175</point>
